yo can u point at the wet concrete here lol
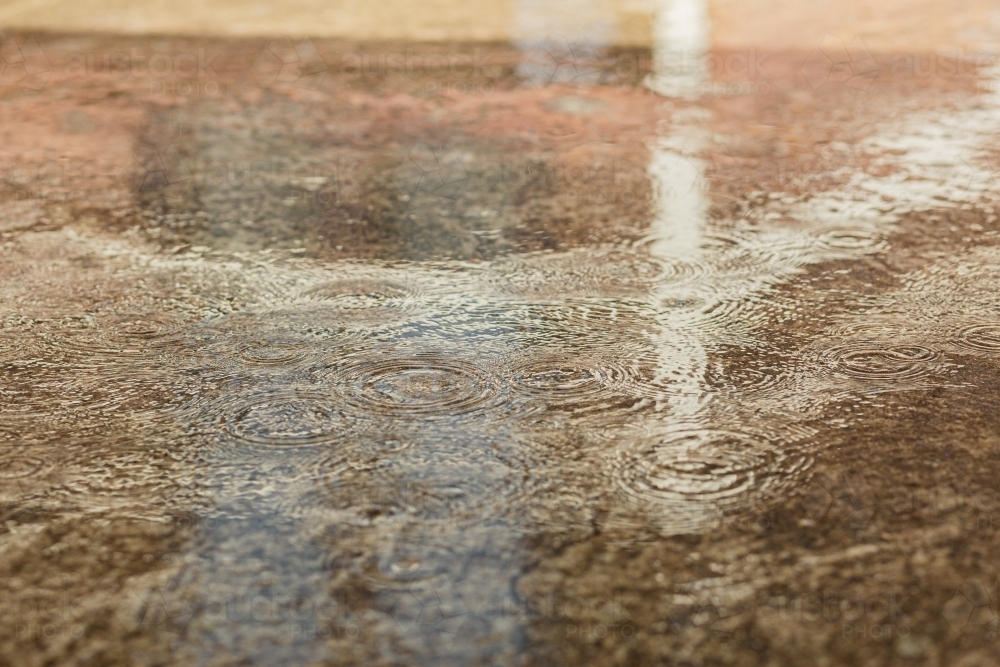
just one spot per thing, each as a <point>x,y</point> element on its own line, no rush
<point>323,352</point>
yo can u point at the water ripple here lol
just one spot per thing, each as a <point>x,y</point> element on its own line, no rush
<point>748,376</point>
<point>272,352</point>
<point>438,476</point>
<point>582,322</point>
<point>695,473</point>
<point>365,299</point>
<point>699,464</point>
<point>880,362</point>
<point>245,345</point>
<point>851,240</point>
<point>422,384</point>
<point>287,418</point>
<point>396,562</point>
<point>359,293</point>
<point>980,337</point>
<point>18,466</point>
<point>123,335</point>
<point>574,381</point>
<point>586,273</point>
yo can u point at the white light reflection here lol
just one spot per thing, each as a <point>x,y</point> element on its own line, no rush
<point>677,173</point>
<point>680,41</point>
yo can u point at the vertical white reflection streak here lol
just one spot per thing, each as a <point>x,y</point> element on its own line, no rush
<point>680,41</point>
<point>677,174</point>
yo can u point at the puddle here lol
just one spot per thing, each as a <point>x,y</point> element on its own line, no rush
<point>358,366</point>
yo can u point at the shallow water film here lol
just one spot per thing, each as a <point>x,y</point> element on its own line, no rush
<point>502,334</point>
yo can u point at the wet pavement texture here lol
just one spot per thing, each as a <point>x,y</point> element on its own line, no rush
<point>397,353</point>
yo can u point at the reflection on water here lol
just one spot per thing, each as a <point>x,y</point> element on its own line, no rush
<point>680,44</point>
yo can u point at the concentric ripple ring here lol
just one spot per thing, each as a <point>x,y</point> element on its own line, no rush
<point>706,466</point>
<point>129,335</point>
<point>981,337</point>
<point>17,467</point>
<point>870,362</point>
<point>424,385</point>
<point>574,382</point>
<point>271,352</point>
<point>284,418</point>
<point>850,239</point>
<point>360,294</point>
